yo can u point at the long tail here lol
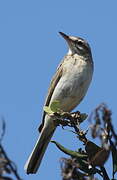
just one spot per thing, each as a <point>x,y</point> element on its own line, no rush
<point>37,154</point>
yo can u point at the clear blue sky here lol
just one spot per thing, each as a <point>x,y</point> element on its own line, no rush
<point>31,49</point>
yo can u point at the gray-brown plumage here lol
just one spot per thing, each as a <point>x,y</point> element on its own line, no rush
<point>69,86</point>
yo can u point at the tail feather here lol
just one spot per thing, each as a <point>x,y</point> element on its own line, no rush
<point>37,154</point>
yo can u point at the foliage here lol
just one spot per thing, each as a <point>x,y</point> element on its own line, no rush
<point>8,169</point>
<point>84,164</point>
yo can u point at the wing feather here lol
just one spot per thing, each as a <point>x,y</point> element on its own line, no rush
<point>53,84</point>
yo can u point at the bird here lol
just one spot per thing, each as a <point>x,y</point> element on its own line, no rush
<point>68,86</point>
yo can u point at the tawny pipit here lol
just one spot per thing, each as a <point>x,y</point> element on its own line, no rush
<point>69,86</point>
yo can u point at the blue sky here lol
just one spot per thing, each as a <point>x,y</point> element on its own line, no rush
<point>31,49</point>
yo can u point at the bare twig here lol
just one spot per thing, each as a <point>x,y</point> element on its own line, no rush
<point>105,175</point>
<point>6,165</point>
<point>10,163</point>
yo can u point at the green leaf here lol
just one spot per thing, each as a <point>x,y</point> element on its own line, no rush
<point>83,116</point>
<point>55,106</point>
<point>81,158</point>
<point>69,152</point>
<point>48,110</point>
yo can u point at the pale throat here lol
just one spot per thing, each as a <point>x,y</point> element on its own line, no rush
<point>70,52</point>
<point>83,57</point>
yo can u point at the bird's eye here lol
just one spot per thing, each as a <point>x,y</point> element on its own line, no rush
<point>81,46</point>
<point>80,43</point>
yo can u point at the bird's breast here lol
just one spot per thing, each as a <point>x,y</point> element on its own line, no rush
<point>73,84</point>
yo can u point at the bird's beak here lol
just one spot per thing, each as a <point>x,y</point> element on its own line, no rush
<point>69,40</point>
<point>66,37</point>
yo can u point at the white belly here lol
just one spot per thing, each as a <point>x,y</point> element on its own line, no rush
<point>73,85</point>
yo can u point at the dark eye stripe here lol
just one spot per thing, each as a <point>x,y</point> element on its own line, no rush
<point>80,43</point>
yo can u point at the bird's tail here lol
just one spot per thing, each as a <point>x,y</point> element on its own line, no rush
<point>37,154</point>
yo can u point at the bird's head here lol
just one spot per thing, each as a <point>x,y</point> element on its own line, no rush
<point>77,45</point>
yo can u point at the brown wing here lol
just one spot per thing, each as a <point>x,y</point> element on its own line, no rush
<point>53,84</point>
